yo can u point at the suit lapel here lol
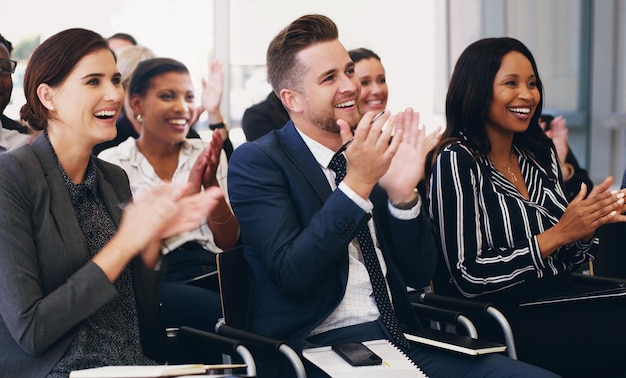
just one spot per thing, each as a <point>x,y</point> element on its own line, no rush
<point>60,204</point>
<point>294,145</point>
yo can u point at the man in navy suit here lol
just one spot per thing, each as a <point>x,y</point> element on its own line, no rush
<point>299,229</point>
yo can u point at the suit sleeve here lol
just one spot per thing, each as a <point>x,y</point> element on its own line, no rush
<point>409,243</point>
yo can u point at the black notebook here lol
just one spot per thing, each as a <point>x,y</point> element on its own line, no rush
<point>453,342</point>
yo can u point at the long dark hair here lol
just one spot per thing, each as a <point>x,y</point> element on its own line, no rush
<point>470,93</point>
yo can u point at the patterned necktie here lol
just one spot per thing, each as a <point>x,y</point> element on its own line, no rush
<point>388,316</point>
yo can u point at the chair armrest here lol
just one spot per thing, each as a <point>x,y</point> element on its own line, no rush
<point>440,314</point>
<point>227,345</point>
<point>586,279</point>
<point>266,343</point>
<point>437,314</point>
<point>455,304</point>
<point>250,338</point>
<point>478,308</point>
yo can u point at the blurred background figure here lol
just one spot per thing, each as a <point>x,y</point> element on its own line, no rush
<point>127,126</point>
<point>127,59</point>
<point>261,118</point>
<point>7,68</point>
<point>573,173</point>
<point>119,40</point>
<point>371,74</point>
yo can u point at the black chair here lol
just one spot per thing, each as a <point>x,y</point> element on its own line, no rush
<point>524,326</point>
<point>611,258</point>
<point>474,310</point>
<point>234,290</point>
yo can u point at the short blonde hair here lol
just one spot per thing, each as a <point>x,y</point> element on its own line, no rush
<point>128,58</point>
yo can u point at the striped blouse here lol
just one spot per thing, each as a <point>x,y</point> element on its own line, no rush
<point>488,230</point>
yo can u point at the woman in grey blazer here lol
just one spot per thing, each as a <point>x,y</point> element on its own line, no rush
<point>79,276</point>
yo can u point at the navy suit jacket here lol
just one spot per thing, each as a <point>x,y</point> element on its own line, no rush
<point>47,283</point>
<point>296,231</point>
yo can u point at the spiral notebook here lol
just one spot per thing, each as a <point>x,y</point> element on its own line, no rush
<point>395,363</point>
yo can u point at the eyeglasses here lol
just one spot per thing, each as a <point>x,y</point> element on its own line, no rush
<point>7,66</point>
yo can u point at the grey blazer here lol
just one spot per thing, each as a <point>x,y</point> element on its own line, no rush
<point>47,284</point>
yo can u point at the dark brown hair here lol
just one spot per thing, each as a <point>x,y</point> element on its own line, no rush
<point>51,63</point>
<point>283,67</point>
<point>362,53</point>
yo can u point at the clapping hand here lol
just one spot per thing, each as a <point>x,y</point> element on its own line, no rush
<point>204,170</point>
<point>407,166</point>
<point>369,152</point>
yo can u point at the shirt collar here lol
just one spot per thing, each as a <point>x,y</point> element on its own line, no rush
<point>321,153</point>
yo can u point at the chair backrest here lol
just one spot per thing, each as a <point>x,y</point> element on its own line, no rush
<point>234,283</point>
<point>610,259</point>
<point>232,272</point>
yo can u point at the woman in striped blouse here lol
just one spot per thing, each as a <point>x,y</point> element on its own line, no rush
<point>507,231</point>
<point>496,192</point>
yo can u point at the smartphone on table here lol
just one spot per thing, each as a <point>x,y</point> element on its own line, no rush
<point>357,354</point>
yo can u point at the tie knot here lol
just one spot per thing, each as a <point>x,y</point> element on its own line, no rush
<point>338,165</point>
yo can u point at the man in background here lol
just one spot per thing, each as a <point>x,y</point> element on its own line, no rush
<point>7,68</point>
<point>12,133</point>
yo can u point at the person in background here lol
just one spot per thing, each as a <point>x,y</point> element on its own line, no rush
<point>7,68</point>
<point>505,226</point>
<point>10,137</point>
<point>371,73</point>
<point>334,263</point>
<point>161,94</point>
<point>573,174</point>
<point>127,126</point>
<point>78,258</point>
<point>263,117</point>
<point>121,40</point>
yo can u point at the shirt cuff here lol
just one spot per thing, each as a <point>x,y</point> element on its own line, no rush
<point>364,204</point>
<point>412,213</point>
